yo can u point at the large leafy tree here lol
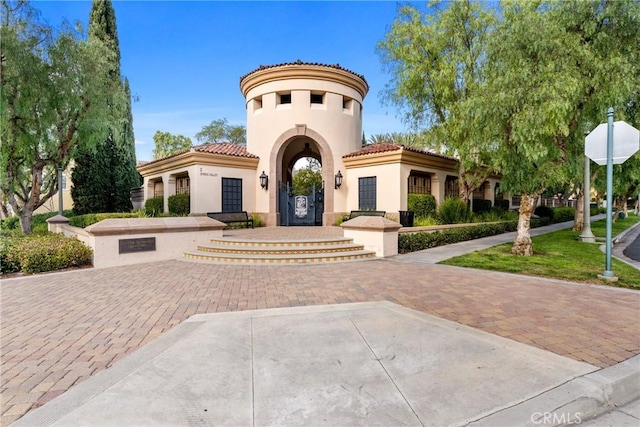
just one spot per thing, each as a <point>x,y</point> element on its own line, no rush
<point>103,177</point>
<point>167,144</point>
<point>52,90</point>
<point>437,60</point>
<point>307,178</point>
<point>554,68</point>
<point>221,131</point>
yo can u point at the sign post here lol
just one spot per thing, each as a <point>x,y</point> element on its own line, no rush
<point>608,274</point>
<point>623,140</point>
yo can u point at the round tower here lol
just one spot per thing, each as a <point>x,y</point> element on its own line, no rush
<point>297,110</point>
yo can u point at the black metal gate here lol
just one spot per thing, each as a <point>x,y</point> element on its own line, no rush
<point>301,209</point>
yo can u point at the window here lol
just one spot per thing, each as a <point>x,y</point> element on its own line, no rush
<point>317,98</point>
<point>182,184</point>
<point>451,187</point>
<point>284,98</point>
<point>158,190</point>
<point>231,195</point>
<point>498,192</point>
<point>419,184</point>
<point>257,103</point>
<point>367,193</point>
<point>347,103</point>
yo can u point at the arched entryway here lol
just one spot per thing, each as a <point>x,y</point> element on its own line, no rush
<point>300,209</point>
<point>301,187</point>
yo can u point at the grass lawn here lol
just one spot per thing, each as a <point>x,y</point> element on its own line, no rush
<point>559,255</point>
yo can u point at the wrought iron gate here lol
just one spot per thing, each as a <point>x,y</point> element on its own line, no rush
<point>301,209</point>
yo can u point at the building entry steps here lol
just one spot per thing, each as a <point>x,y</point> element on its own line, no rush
<point>307,251</point>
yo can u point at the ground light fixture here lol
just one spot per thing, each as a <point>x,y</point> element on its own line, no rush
<point>338,180</point>
<point>264,181</point>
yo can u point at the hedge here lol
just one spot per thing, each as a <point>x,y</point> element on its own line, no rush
<point>154,206</point>
<point>481,206</point>
<point>411,242</point>
<point>454,211</point>
<point>422,205</point>
<point>502,204</point>
<point>39,253</point>
<point>179,204</point>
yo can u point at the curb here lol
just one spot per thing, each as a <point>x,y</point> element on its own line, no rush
<point>577,400</point>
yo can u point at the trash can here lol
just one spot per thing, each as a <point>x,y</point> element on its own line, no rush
<point>406,218</point>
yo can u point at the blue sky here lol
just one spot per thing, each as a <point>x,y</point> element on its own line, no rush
<point>184,59</point>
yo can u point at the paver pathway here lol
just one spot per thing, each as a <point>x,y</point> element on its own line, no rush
<point>59,329</point>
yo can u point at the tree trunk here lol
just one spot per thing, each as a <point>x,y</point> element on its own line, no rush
<point>522,242</point>
<point>25,221</point>
<point>578,219</point>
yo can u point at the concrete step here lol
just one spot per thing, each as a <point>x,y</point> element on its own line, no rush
<point>250,243</point>
<point>279,259</point>
<point>280,250</point>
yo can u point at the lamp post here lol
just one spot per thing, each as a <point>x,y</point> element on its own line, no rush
<point>587,235</point>
<point>60,190</point>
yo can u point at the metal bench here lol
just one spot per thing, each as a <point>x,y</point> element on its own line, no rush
<point>241,218</point>
<point>355,214</point>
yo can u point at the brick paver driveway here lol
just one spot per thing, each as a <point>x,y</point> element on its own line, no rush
<point>59,329</point>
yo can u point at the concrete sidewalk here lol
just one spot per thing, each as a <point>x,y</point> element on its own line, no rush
<point>349,364</point>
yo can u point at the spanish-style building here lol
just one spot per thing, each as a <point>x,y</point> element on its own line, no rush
<point>298,110</point>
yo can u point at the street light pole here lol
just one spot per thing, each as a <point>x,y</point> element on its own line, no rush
<point>587,235</point>
<point>60,190</point>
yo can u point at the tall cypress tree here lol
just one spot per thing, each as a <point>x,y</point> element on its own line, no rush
<point>104,175</point>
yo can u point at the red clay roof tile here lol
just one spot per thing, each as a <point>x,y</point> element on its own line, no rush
<point>383,147</point>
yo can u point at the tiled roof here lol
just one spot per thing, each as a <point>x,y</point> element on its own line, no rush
<point>383,147</point>
<point>225,149</point>
<point>299,62</point>
<point>221,148</point>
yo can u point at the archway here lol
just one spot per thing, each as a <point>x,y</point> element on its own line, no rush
<point>300,197</point>
<point>291,146</point>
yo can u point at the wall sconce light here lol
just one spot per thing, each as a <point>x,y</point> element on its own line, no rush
<point>264,181</point>
<point>338,180</point>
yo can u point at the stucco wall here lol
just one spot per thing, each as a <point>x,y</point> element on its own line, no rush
<point>388,196</point>
<point>206,186</point>
<point>267,123</point>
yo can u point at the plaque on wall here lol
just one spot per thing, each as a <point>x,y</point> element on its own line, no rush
<point>144,244</point>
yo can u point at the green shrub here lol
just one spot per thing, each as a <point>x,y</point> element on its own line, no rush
<point>179,204</point>
<point>544,212</point>
<point>481,206</point>
<point>86,220</point>
<point>563,214</point>
<point>257,220</point>
<point>411,242</point>
<point>422,205</point>
<point>11,223</point>
<point>40,253</point>
<point>454,211</point>
<point>418,241</point>
<point>425,221</point>
<point>498,214</point>
<point>154,206</point>
<point>9,262</point>
<point>502,204</point>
